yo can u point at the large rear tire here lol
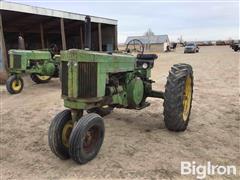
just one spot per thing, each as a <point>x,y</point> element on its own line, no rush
<point>59,134</point>
<point>178,97</point>
<point>14,84</point>
<point>40,79</point>
<point>86,138</point>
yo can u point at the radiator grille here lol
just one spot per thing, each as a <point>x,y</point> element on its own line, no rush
<point>64,77</point>
<point>17,61</point>
<point>87,79</point>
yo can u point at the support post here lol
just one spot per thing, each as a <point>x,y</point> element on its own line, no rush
<point>64,47</point>
<point>100,36</point>
<point>3,58</point>
<point>42,36</point>
<point>116,38</point>
<point>81,37</point>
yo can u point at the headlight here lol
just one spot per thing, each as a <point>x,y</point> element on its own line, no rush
<point>145,65</point>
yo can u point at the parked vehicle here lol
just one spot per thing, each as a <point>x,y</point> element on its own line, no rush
<point>191,48</point>
<point>235,46</point>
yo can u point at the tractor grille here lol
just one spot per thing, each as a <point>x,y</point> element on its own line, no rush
<point>64,78</point>
<point>17,61</point>
<point>87,79</point>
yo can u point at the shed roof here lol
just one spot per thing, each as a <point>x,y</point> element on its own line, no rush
<point>12,6</point>
<point>156,39</point>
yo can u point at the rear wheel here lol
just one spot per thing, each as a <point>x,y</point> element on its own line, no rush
<point>178,97</point>
<point>14,84</point>
<point>40,79</point>
<point>59,134</point>
<point>86,138</point>
<point>102,111</point>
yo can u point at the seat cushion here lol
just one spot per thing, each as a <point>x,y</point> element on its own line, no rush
<point>147,56</point>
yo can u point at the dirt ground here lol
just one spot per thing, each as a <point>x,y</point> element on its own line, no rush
<point>137,144</point>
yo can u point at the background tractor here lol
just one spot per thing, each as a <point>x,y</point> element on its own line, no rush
<point>41,65</point>
<point>98,83</point>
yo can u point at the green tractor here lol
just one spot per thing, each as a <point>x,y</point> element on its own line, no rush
<point>41,65</point>
<point>99,82</point>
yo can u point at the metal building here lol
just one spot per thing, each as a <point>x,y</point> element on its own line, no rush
<point>41,27</point>
<point>155,43</point>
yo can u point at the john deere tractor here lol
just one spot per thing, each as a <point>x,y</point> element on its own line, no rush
<point>41,65</point>
<point>96,83</point>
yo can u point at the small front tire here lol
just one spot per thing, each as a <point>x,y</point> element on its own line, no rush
<point>14,84</point>
<point>59,133</point>
<point>86,138</point>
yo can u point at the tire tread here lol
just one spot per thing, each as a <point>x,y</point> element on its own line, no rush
<point>173,97</point>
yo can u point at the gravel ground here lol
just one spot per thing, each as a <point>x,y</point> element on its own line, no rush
<point>137,144</point>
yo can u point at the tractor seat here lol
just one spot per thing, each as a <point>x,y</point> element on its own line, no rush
<point>147,56</point>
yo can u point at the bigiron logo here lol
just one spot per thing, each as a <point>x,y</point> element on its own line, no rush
<point>201,171</point>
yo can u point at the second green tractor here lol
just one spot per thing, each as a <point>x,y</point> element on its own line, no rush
<point>41,65</point>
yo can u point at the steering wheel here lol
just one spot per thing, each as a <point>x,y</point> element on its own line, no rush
<point>137,46</point>
<point>53,49</point>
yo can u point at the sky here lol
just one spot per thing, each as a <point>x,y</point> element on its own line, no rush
<point>195,20</point>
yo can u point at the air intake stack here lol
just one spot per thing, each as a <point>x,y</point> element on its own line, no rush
<point>87,44</point>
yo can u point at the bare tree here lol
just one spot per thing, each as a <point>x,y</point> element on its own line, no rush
<point>181,41</point>
<point>149,33</point>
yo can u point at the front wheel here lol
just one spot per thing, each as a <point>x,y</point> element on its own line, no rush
<point>178,97</point>
<point>59,133</point>
<point>40,79</point>
<point>86,138</point>
<point>14,84</point>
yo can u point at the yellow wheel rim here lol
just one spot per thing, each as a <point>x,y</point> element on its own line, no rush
<point>187,98</point>
<point>43,78</point>
<point>16,85</point>
<point>67,129</point>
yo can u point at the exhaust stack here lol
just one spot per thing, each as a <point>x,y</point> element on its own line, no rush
<point>87,43</point>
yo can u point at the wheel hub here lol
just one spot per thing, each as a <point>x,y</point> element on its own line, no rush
<point>66,133</point>
<point>187,98</point>
<point>90,139</point>
<point>16,85</point>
